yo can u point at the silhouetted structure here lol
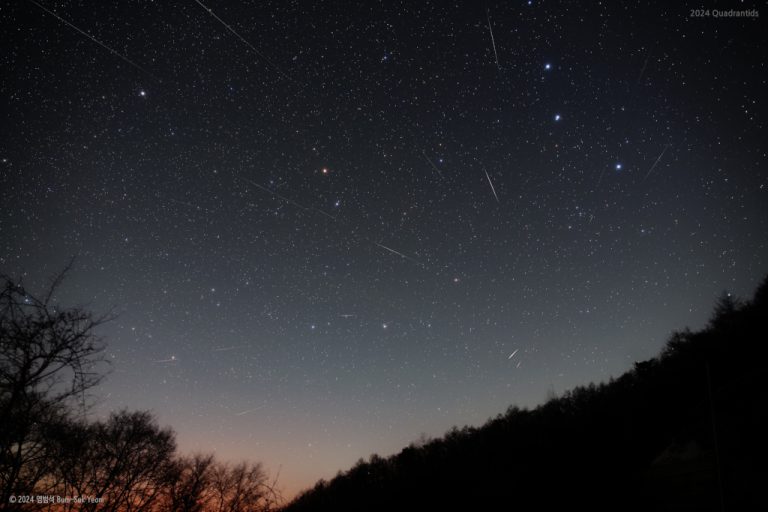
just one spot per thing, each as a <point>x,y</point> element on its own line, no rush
<point>683,431</point>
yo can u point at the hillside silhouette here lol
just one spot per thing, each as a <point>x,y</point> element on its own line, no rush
<point>682,431</point>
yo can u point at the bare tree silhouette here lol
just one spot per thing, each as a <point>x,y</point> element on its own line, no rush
<point>49,358</point>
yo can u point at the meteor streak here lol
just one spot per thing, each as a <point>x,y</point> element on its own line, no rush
<point>171,359</point>
<point>287,200</point>
<point>89,36</point>
<point>493,40</point>
<point>432,164</point>
<point>241,38</point>
<point>492,187</point>
<point>656,162</point>
<point>397,253</point>
<point>243,413</point>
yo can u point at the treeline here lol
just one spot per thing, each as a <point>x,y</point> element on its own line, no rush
<point>683,431</point>
<point>52,458</point>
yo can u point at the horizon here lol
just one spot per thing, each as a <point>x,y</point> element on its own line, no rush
<point>329,230</point>
<point>232,451</point>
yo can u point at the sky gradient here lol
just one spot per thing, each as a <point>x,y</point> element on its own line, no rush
<point>328,228</point>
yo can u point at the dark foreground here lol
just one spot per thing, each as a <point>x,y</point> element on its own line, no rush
<point>683,431</point>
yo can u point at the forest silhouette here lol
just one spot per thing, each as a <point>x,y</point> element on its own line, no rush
<point>682,431</point>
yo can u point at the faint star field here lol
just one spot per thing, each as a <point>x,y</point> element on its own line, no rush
<point>328,228</point>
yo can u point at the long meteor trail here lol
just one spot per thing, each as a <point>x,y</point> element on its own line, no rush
<point>287,200</point>
<point>315,210</point>
<point>432,164</point>
<point>493,189</point>
<point>248,411</point>
<point>656,162</point>
<point>224,349</point>
<point>89,36</point>
<point>171,359</point>
<point>398,253</point>
<point>241,38</point>
<point>493,40</point>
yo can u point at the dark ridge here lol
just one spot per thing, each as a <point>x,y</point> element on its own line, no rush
<point>682,431</point>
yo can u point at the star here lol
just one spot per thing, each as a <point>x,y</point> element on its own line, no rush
<point>547,66</point>
<point>143,93</point>
<point>618,166</point>
<point>557,117</point>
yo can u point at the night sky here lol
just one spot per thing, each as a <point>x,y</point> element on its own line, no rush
<point>328,228</point>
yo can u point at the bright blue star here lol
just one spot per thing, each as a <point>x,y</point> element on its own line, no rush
<point>547,66</point>
<point>618,167</point>
<point>557,117</point>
